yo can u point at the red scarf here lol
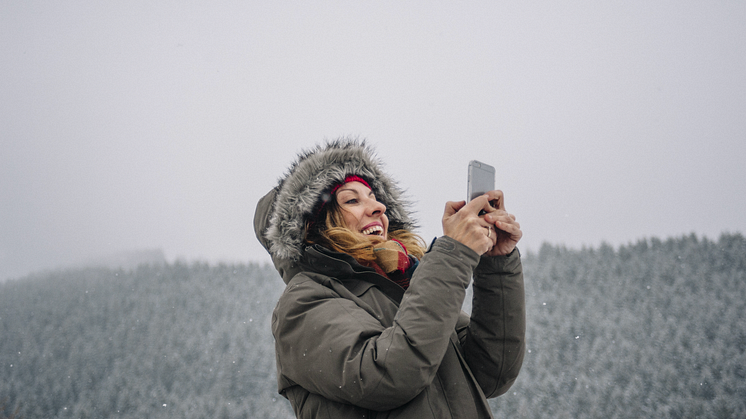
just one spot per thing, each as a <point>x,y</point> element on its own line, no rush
<point>392,262</point>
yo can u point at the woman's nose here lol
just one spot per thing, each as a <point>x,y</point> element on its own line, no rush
<point>376,207</point>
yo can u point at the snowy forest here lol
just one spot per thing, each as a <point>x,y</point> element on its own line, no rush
<point>652,329</point>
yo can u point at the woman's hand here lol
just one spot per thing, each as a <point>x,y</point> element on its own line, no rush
<point>507,229</point>
<point>461,222</point>
<point>495,233</point>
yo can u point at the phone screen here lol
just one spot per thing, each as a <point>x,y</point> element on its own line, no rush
<point>481,179</point>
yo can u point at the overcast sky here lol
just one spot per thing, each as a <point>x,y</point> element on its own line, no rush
<point>158,125</point>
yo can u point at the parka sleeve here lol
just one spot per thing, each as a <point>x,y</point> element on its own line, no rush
<point>337,348</point>
<point>494,342</point>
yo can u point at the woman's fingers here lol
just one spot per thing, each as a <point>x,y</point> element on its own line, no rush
<point>495,232</point>
<point>496,199</point>
<point>453,207</point>
<point>507,229</point>
<point>480,203</point>
<point>505,222</point>
<point>499,216</point>
<point>461,222</point>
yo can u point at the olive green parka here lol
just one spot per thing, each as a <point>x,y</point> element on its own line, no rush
<point>352,344</point>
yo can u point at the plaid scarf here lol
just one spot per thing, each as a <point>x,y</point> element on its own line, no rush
<point>393,262</point>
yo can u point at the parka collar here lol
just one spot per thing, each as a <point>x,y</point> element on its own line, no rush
<point>344,268</point>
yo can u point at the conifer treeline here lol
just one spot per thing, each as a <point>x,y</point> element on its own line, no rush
<point>652,329</point>
<point>170,341</point>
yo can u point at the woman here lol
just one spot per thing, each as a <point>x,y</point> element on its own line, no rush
<point>370,323</point>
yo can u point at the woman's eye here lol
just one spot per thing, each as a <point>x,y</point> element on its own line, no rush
<point>351,201</point>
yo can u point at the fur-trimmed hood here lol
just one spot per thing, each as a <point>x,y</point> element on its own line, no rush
<point>280,224</point>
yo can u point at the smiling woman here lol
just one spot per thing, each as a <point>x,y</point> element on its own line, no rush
<point>370,324</point>
<point>360,209</point>
<point>354,222</point>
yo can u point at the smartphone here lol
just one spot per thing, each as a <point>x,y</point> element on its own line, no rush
<point>481,179</point>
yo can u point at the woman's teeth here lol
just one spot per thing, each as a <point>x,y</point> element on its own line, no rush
<point>373,230</point>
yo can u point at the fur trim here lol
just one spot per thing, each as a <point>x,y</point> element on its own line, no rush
<point>311,175</point>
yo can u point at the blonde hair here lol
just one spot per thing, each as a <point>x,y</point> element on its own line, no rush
<point>329,230</point>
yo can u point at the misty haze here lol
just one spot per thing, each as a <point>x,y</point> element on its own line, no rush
<point>137,138</point>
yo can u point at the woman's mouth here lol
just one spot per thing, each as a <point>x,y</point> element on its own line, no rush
<point>376,230</point>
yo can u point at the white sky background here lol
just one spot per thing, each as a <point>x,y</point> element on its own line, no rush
<point>139,124</point>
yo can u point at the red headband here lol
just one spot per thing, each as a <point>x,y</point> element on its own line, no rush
<point>325,197</point>
<point>348,179</point>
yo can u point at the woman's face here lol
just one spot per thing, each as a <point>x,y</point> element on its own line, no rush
<point>361,212</point>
